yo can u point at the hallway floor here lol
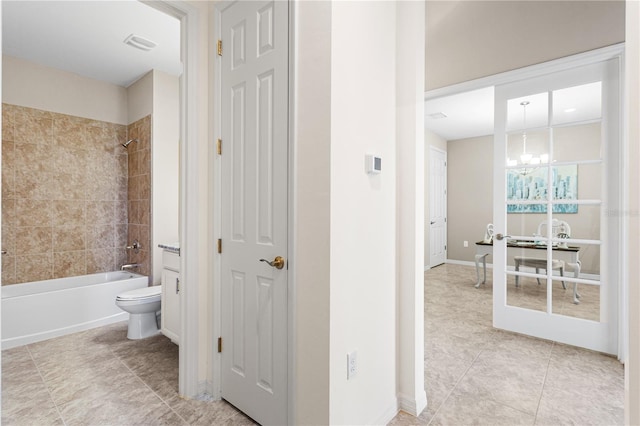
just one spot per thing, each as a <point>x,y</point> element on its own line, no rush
<point>98,377</point>
<point>474,374</point>
<point>477,375</point>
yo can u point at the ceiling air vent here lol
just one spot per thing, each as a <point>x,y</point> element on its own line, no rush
<point>437,115</point>
<point>139,42</point>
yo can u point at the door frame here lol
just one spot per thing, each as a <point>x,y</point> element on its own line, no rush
<point>561,64</point>
<point>190,137</point>
<point>215,206</point>
<point>431,149</point>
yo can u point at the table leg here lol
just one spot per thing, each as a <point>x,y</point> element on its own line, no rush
<point>576,274</point>
<point>484,267</point>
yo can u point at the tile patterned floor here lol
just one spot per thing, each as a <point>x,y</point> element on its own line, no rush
<point>477,375</point>
<point>98,377</point>
<point>474,374</point>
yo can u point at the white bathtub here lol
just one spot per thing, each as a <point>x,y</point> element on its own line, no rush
<point>40,310</point>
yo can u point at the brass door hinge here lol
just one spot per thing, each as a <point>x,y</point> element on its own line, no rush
<point>219,146</point>
<point>219,344</point>
<point>219,47</point>
<point>219,245</point>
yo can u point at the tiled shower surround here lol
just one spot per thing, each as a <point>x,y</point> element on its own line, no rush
<point>139,193</point>
<point>65,195</point>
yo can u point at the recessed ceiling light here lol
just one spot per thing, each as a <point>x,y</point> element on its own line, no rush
<point>570,109</point>
<point>437,115</point>
<point>140,42</point>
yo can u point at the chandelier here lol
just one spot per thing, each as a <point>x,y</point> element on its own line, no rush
<point>528,161</point>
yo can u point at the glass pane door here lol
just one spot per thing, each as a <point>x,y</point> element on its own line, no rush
<point>554,275</point>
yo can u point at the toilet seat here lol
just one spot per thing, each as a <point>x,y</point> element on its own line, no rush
<point>145,294</point>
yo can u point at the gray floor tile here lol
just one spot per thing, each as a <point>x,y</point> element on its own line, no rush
<point>475,374</point>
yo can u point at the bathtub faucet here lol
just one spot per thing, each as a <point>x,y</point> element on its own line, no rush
<point>129,266</point>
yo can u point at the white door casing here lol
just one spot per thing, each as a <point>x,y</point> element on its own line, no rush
<point>548,321</point>
<point>254,163</point>
<point>437,206</point>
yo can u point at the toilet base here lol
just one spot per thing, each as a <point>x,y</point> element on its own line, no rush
<point>142,326</point>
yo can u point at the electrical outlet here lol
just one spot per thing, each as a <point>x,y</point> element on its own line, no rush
<point>465,243</point>
<point>352,365</point>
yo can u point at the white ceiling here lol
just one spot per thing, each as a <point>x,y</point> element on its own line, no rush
<point>87,37</point>
<point>471,114</point>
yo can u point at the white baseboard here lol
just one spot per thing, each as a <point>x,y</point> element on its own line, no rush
<point>413,406</point>
<point>427,267</point>
<point>464,262</point>
<point>387,415</point>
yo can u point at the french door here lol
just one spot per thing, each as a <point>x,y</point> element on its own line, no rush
<point>556,185</point>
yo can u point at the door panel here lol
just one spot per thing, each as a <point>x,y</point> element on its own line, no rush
<point>254,162</point>
<point>555,148</point>
<point>437,207</point>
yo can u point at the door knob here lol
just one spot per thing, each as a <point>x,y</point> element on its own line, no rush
<point>499,237</point>
<point>277,263</point>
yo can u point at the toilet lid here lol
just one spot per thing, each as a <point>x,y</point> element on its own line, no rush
<point>141,293</point>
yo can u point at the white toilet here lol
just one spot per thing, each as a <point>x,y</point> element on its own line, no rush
<point>142,305</point>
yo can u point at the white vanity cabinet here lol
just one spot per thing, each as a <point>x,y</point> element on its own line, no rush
<point>171,287</point>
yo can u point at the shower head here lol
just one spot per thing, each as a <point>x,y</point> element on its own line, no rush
<point>126,144</point>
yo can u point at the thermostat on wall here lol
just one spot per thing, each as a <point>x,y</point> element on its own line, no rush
<point>373,164</point>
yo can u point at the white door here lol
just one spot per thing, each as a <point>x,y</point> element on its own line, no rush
<point>254,121</point>
<point>556,181</point>
<point>437,206</point>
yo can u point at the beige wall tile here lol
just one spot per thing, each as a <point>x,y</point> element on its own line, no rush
<point>34,267</point>
<point>139,192</point>
<point>8,270</point>
<point>33,126</point>
<point>8,212</point>
<point>67,212</point>
<point>62,175</point>
<point>102,236</point>
<point>8,122</point>
<point>100,260</point>
<point>9,239</point>
<point>35,186</point>
<point>68,185</point>
<point>31,212</point>
<point>8,169</point>
<point>100,212</point>
<point>69,264</point>
<point>122,164</point>
<point>122,239</point>
<point>34,240</point>
<point>68,132</point>
<point>69,238</point>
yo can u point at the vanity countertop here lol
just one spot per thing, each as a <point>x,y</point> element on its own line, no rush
<point>173,247</point>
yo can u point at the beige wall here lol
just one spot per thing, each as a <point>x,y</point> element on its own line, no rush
<point>140,98</point>
<point>431,140</point>
<point>471,192</point>
<point>472,39</point>
<point>28,84</point>
<point>164,166</point>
